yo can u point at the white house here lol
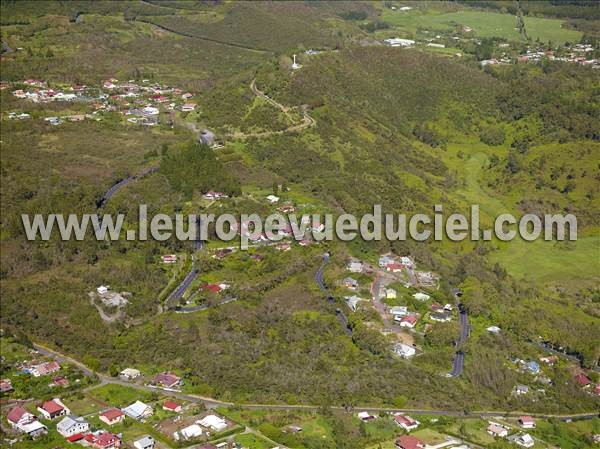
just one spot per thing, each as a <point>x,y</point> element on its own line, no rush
<point>129,373</point>
<point>421,296</point>
<point>496,430</point>
<point>272,199</point>
<point>493,330</point>
<point>53,409</point>
<point>138,410</point>
<point>352,302</point>
<point>390,293</point>
<point>146,442</point>
<point>71,425</point>
<point>355,267</point>
<point>188,432</point>
<point>527,422</point>
<point>397,42</point>
<point>398,312</point>
<point>406,422</point>
<point>102,290</point>
<point>525,440</point>
<point>404,351</point>
<point>214,422</point>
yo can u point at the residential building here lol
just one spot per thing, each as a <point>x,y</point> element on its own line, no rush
<point>43,369</point>
<point>521,389</point>
<point>193,431</point>
<point>493,330</point>
<point>138,410</point>
<point>440,317</point>
<point>409,321</point>
<point>355,267</point>
<point>365,416</point>
<point>496,430</point>
<point>169,380</point>
<point>421,296</point>
<point>390,293</point>
<point>18,417</point>
<point>129,374</point>
<point>112,416</point>
<point>527,422</point>
<point>406,422</point>
<point>53,409</point>
<point>582,380</point>
<point>524,440</point>
<point>352,302</point>
<point>272,199</point>
<point>350,283</point>
<point>532,367</point>
<point>146,442</point>
<point>404,351</point>
<point>168,258</point>
<point>399,311</point>
<point>5,385</point>
<point>103,440</point>
<point>72,425</point>
<point>409,442</point>
<point>214,422</point>
<point>171,406</point>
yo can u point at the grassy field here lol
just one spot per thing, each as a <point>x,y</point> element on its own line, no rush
<point>539,260</point>
<point>484,24</point>
<point>252,441</point>
<point>118,395</point>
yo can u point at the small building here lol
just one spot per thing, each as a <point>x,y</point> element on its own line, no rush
<point>352,302</point>
<point>384,260</point>
<point>532,367</point>
<point>409,442</point>
<point>138,410</point>
<point>421,296</point>
<point>129,373</point>
<point>171,406</point>
<point>521,389</point>
<point>53,409</point>
<point>365,416</point>
<point>18,417</point>
<point>399,312</point>
<point>168,258</point>
<point>394,267</point>
<point>213,422</point>
<point>103,440</point>
<point>390,293</point>
<point>493,330</point>
<point>350,283</point>
<point>497,430</point>
<point>146,442</point>
<point>112,416</point>
<point>582,380</point>
<point>188,107</point>
<point>406,422</point>
<point>524,440</point>
<point>102,290</point>
<point>6,386</point>
<point>169,380</point>
<point>440,317</point>
<point>527,422</point>
<point>72,425</point>
<point>355,267</point>
<point>409,321</point>
<point>272,199</point>
<point>404,351</point>
<point>189,432</point>
<point>550,360</point>
<point>43,369</point>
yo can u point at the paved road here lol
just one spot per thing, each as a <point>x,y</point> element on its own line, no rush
<point>325,288</point>
<point>122,183</point>
<point>459,358</point>
<point>181,288</point>
<point>212,403</point>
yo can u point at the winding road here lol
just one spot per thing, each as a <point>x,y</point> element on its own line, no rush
<point>325,288</point>
<point>119,185</point>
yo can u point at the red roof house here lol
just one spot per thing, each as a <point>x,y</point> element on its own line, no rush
<point>105,440</point>
<point>52,409</point>
<point>583,380</point>
<point>19,416</point>
<point>527,422</point>
<point>408,321</point>
<point>409,442</point>
<point>167,380</point>
<point>112,416</point>
<point>171,406</point>
<point>213,288</point>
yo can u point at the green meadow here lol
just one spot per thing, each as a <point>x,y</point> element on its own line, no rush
<point>484,24</point>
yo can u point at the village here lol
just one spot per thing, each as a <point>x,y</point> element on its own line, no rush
<point>138,103</point>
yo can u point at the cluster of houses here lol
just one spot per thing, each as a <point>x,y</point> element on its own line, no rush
<point>140,102</point>
<point>202,427</point>
<point>577,54</point>
<point>499,430</point>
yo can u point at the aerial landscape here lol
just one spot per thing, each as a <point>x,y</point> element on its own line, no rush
<point>300,224</point>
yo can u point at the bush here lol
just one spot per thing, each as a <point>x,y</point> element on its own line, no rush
<point>492,135</point>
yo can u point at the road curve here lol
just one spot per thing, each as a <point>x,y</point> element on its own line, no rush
<point>459,357</point>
